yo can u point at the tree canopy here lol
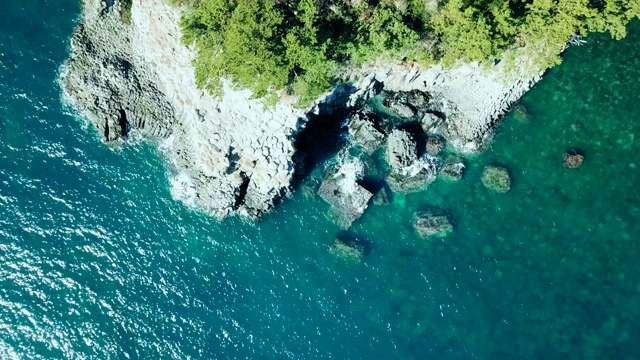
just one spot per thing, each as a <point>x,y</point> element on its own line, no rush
<point>300,45</point>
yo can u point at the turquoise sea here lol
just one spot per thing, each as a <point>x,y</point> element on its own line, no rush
<point>97,261</point>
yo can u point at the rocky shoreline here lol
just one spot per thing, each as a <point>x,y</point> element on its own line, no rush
<point>234,156</point>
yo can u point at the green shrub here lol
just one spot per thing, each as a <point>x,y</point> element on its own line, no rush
<point>299,46</point>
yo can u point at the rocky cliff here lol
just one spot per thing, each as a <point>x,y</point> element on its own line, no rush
<point>132,74</point>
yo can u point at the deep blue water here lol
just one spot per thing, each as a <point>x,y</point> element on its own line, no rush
<point>97,261</point>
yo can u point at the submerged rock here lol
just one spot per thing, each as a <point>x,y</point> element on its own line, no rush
<point>383,197</point>
<point>496,178</point>
<point>432,224</point>
<point>573,158</point>
<point>453,169</point>
<point>340,188</point>
<point>350,250</point>
<point>363,132</point>
<point>521,112</point>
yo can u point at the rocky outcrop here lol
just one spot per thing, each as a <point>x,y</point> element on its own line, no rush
<point>496,178</point>
<point>432,224</point>
<point>408,171</point>
<point>407,105</point>
<point>229,155</point>
<point>402,150</point>
<point>340,188</point>
<point>363,131</point>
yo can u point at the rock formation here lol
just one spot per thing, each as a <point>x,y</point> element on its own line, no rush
<point>340,188</point>
<point>229,155</point>
<point>350,251</point>
<point>453,168</point>
<point>363,131</point>
<point>496,178</point>
<point>408,171</point>
<point>432,224</point>
<point>573,158</point>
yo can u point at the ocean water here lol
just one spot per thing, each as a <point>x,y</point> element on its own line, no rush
<point>97,261</point>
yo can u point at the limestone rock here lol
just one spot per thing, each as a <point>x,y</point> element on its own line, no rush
<point>401,150</point>
<point>573,158</point>
<point>340,188</point>
<point>408,172</point>
<point>496,178</point>
<point>453,169</point>
<point>363,132</point>
<point>432,224</point>
<point>415,177</point>
<point>406,104</point>
<point>230,154</point>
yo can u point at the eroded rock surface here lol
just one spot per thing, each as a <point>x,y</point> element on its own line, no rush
<point>408,171</point>
<point>340,188</point>
<point>229,155</point>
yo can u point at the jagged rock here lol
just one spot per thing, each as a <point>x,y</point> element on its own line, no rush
<point>406,104</point>
<point>453,169</point>
<point>408,172</point>
<point>134,79</point>
<point>415,177</point>
<point>347,250</point>
<point>432,224</point>
<point>340,188</point>
<point>573,158</point>
<point>430,121</point>
<point>363,132</point>
<point>435,144</point>
<point>401,149</point>
<point>382,197</point>
<point>496,178</point>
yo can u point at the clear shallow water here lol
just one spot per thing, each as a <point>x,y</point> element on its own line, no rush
<point>98,262</point>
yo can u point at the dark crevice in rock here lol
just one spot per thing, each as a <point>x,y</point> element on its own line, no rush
<point>241,191</point>
<point>320,140</point>
<point>125,127</point>
<point>106,130</point>
<point>233,160</point>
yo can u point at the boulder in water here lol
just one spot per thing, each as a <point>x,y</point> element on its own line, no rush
<point>496,178</point>
<point>408,172</point>
<point>340,188</point>
<point>347,250</point>
<point>402,149</point>
<point>453,168</point>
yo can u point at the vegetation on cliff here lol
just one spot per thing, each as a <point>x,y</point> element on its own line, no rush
<point>301,45</point>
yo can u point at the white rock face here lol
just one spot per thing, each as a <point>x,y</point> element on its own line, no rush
<point>231,154</point>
